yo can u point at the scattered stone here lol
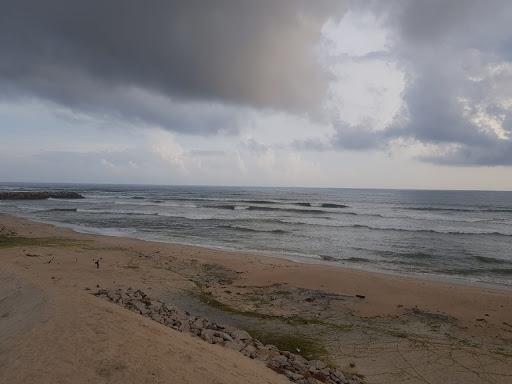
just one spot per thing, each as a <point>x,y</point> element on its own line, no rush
<point>295,367</point>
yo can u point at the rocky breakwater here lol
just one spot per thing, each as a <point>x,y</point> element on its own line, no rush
<point>39,195</point>
<point>295,367</point>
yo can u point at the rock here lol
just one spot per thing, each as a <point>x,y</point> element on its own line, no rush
<point>292,375</point>
<point>239,334</point>
<point>176,324</point>
<point>275,367</point>
<point>317,364</point>
<point>281,360</point>
<point>340,375</point>
<point>197,323</point>
<point>225,336</point>
<point>184,327</point>
<point>234,345</point>
<point>249,351</point>
<point>299,365</point>
<point>263,354</point>
<point>140,307</point>
<point>39,195</point>
<point>156,317</point>
<point>155,306</point>
<point>211,336</point>
<point>258,344</point>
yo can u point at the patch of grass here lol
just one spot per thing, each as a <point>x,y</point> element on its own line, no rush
<point>131,266</point>
<point>302,345</point>
<point>399,334</point>
<point>281,292</point>
<point>291,320</point>
<point>212,302</point>
<point>295,343</point>
<point>503,352</point>
<point>20,241</point>
<point>219,274</point>
<point>101,248</point>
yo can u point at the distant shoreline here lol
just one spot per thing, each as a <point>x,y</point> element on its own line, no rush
<point>71,184</point>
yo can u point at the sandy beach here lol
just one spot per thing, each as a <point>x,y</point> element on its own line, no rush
<point>380,328</point>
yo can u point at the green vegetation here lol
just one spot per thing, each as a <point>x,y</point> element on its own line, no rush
<point>131,266</point>
<point>299,344</point>
<point>501,351</point>
<point>291,320</point>
<point>20,241</point>
<point>211,301</point>
<point>281,292</point>
<point>219,273</point>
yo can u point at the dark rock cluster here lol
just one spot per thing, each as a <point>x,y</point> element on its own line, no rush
<point>296,368</point>
<point>38,195</point>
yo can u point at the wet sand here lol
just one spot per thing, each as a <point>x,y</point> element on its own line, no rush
<point>384,328</point>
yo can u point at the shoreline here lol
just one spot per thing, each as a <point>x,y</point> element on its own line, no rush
<point>300,259</point>
<point>380,327</point>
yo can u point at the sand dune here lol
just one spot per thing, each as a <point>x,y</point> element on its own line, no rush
<point>50,335</point>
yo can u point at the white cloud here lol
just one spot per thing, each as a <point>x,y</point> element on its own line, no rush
<point>356,34</point>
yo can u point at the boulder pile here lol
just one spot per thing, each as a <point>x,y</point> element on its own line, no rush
<point>298,369</point>
<point>38,195</point>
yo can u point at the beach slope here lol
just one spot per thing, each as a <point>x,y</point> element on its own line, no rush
<point>375,327</point>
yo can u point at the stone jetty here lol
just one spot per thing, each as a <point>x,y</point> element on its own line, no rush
<point>39,195</point>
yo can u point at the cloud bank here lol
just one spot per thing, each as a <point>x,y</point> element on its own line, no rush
<point>139,59</point>
<point>431,73</point>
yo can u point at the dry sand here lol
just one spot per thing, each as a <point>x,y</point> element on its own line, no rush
<point>404,330</point>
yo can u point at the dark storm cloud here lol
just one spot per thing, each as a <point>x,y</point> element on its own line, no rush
<point>91,55</point>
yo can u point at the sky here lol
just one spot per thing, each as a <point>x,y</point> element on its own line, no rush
<point>364,94</point>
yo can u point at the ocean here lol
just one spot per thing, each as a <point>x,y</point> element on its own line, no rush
<point>459,235</point>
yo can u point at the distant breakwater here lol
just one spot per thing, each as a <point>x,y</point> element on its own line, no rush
<point>39,195</point>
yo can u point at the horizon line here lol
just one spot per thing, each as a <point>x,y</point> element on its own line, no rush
<point>249,186</point>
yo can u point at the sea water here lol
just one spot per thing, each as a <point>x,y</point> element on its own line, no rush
<point>464,235</point>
